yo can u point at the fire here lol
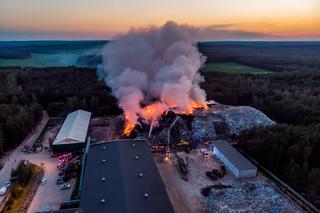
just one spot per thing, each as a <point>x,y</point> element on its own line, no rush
<point>195,105</point>
<point>152,112</point>
<point>129,125</point>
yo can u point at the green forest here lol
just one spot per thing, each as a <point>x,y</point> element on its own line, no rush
<point>290,149</point>
<point>24,93</point>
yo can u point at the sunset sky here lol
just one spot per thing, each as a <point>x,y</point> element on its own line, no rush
<point>102,19</point>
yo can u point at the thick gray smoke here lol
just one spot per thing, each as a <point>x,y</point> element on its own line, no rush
<point>155,65</point>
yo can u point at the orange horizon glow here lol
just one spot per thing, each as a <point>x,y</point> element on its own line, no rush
<point>103,19</point>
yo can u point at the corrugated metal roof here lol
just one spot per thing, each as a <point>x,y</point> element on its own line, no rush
<point>74,128</point>
<point>121,176</point>
<point>236,158</point>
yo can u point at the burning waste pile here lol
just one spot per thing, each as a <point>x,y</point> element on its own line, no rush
<point>154,74</point>
<point>153,70</point>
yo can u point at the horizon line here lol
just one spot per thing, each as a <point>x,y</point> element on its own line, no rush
<point>219,40</point>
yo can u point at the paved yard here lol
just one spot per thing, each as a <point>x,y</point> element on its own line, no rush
<point>48,194</point>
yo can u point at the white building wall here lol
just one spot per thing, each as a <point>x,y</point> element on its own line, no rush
<point>234,170</point>
<point>248,173</point>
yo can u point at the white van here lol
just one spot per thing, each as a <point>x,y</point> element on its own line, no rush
<point>3,190</point>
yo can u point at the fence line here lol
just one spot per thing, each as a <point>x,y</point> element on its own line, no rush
<point>305,204</point>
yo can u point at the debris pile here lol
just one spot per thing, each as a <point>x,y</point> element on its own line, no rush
<point>219,121</point>
<point>247,197</point>
<point>239,118</point>
<point>203,129</point>
<point>215,174</point>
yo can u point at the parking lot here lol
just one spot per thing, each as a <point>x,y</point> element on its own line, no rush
<point>49,196</point>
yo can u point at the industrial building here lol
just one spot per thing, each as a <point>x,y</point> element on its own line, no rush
<point>121,176</point>
<point>73,133</point>
<point>233,160</point>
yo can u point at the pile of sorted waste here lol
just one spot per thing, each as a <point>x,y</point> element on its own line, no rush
<point>248,197</point>
<point>238,118</point>
<point>220,121</point>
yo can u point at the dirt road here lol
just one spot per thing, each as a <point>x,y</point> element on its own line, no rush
<point>11,159</point>
<point>48,194</point>
<point>185,195</point>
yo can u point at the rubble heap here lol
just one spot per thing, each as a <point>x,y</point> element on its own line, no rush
<point>203,129</point>
<point>238,118</point>
<point>247,197</point>
<point>220,121</point>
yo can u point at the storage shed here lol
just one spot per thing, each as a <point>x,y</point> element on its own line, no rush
<point>73,133</point>
<point>233,160</point>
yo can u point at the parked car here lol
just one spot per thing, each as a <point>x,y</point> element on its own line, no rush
<point>3,190</point>
<point>7,183</point>
<point>43,181</point>
<point>65,186</point>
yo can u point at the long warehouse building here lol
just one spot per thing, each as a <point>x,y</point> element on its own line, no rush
<point>73,133</point>
<point>239,165</point>
<point>121,176</point>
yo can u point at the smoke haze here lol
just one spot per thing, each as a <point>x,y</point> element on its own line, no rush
<point>155,66</point>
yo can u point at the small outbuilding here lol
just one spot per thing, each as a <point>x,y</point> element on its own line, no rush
<point>73,133</point>
<point>239,165</point>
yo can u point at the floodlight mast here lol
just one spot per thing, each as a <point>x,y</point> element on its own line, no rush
<point>169,129</point>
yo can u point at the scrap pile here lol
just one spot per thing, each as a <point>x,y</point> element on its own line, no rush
<point>239,118</point>
<point>219,121</point>
<point>248,197</point>
<point>203,129</point>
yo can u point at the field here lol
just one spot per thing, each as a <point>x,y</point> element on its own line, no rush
<point>233,68</point>
<point>50,53</point>
<point>273,56</point>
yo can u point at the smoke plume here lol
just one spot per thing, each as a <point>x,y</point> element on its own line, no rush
<point>151,70</point>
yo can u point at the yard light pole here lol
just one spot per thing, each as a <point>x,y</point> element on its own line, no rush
<point>169,129</point>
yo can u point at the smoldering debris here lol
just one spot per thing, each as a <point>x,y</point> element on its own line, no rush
<point>218,122</point>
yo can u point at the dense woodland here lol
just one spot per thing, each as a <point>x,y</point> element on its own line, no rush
<point>24,93</point>
<point>290,149</point>
<point>274,56</point>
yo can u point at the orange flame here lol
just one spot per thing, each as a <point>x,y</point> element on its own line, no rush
<point>195,105</point>
<point>153,112</point>
<point>129,125</point>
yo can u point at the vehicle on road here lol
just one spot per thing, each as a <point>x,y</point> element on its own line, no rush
<point>7,183</point>
<point>43,181</point>
<point>65,186</point>
<point>158,149</point>
<point>3,190</point>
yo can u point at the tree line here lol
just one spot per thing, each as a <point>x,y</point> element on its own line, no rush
<point>24,93</point>
<point>290,149</point>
